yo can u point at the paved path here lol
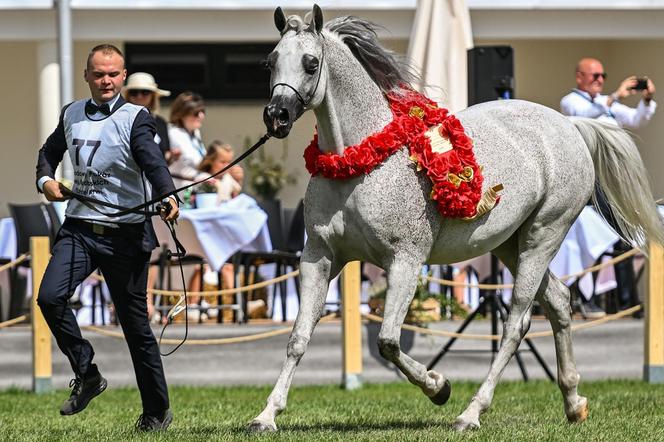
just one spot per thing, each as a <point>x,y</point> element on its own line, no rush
<point>613,350</point>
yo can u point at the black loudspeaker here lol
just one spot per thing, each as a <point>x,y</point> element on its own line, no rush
<point>490,73</point>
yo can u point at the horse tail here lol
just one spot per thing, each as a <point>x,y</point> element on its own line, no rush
<point>623,179</point>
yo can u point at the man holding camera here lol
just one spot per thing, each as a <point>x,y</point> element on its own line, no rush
<point>587,99</point>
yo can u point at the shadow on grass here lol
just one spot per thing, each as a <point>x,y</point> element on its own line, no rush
<point>353,427</point>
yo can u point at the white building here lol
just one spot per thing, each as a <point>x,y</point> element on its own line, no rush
<point>548,38</point>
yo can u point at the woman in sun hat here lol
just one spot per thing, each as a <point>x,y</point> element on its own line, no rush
<point>141,89</point>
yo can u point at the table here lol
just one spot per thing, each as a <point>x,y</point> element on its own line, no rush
<point>216,233</point>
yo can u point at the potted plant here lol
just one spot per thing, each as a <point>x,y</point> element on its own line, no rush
<point>206,195</point>
<point>267,176</point>
<point>425,307</point>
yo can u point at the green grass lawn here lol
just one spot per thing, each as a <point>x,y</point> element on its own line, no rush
<point>619,411</point>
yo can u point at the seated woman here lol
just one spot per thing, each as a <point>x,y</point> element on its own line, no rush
<point>187,115</point>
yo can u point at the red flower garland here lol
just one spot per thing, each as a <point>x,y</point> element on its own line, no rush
<point>413,115</point>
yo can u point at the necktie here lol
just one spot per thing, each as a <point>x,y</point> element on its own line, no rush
<point>91,108</point>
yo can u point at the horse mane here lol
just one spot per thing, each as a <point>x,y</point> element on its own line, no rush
<point>385,67</point>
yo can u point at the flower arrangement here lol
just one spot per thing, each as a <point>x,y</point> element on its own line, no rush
<point>267,176</point>
<point>206,187</point>
<point>455,175</point>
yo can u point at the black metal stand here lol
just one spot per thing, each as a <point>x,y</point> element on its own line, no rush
<point>498,307</point>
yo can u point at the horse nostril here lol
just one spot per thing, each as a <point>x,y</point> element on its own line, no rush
<point>282,115</point>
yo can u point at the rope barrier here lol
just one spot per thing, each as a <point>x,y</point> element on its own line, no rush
<point>373,318</point>
<point>215,341</point>
<point>245,288</point>
<point>258,285</point>
<point>11,322</point>
<point>15,262</point>
<point>470,336</point>
<point>592,269</point>
<point>211,293</point>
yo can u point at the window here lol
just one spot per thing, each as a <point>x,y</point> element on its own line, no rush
<point>216,71</point>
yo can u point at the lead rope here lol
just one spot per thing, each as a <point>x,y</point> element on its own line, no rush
<point>177,308</point>
<point>180,252</point>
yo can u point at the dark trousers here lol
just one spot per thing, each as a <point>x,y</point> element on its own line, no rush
<point>77,252</point>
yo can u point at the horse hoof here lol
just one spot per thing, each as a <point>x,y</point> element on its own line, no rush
<point>443,394</point>
<point>463,425</point>
<point>580,413</point>
<point>257,426</point>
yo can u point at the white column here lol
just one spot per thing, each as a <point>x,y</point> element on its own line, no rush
<point>48,88</point>
<point>48,91</point>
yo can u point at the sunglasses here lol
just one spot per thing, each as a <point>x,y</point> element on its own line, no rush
<point>137,92</point>
<point>595,75</point>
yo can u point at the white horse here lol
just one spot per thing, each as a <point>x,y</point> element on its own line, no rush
<point>547,164</point>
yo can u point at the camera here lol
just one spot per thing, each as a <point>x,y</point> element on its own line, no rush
<point>641,84</point>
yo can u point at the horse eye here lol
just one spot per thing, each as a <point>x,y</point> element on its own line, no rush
<point>310,64</point>
<point>269,62</point>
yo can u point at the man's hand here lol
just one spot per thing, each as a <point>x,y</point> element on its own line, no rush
<point>53,191</point>
<point>172,212</point>
<point>649,92</point>
<point>626,88</point>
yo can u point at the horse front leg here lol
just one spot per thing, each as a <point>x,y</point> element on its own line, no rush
<point>316,270</point>
<point>402,282</point>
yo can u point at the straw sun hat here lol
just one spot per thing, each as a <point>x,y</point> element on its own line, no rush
<point>144,81</point>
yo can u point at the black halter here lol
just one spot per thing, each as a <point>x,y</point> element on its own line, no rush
<point>305,103</point>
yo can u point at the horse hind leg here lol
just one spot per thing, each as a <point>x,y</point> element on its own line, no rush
<point>556,300</point>
<point>536,247</point>
<point>316,270</point>
<point>402,278</point>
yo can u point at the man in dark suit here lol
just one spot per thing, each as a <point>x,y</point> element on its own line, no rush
<point>115,159</point>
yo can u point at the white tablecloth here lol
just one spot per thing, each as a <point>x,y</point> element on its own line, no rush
<point>217,233</point>
<point>7,238</point>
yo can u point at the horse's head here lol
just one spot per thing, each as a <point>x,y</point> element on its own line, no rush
<point>297,75</point>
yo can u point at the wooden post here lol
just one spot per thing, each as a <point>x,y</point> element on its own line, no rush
<point>41,335</point>
<point>653,365</point>
<point>351,326</point>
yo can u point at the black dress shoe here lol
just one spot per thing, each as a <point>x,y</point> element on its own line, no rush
<point>150,423</point>
<point>82,392</point>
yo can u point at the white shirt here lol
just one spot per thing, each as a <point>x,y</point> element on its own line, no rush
<point>579,103</point>
<point>193,151</point>
<point>226,187</point>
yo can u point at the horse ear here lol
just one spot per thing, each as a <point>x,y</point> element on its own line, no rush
<point>318,18</point>
<point>279,19</point>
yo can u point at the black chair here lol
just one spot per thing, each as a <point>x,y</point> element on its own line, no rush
<point>286,250</point>
<point>29,220</point>
<point>54,220</point>
<point>167,265</point>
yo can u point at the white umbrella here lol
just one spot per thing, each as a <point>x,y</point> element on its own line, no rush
<point>439,41</point>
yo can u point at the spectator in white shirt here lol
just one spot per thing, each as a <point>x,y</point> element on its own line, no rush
<point>187,115</point>
<point>587,99</point>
